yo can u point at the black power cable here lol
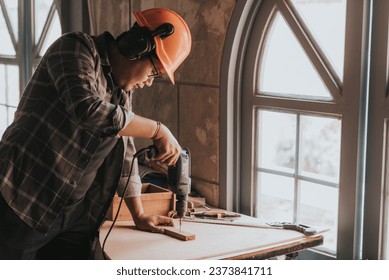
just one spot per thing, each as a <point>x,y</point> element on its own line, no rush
<point>151,152</point>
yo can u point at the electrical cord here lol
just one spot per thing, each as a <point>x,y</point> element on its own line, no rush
<point>150,149</point>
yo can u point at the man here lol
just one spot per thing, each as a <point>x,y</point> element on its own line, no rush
<point>70,146</point>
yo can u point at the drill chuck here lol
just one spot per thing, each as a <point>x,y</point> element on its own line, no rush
<point>181,208</point>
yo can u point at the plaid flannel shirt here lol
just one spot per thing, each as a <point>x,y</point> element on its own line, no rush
<point>70,104</point>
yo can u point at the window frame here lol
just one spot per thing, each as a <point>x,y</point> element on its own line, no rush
<point>376,213</point>
<point>7,60</point>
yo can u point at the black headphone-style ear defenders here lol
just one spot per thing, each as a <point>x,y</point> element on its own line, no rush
<point>139,41</point>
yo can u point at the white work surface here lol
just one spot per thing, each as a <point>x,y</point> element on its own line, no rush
<point>212,242</point>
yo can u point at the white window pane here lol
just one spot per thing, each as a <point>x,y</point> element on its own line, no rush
<point>319,207</point>
<point>53,33</point>
<point>3,119</point>
<point>42,8</point>
<point>11,114</point>
<point>3,91</point>
<point>320,147</point>
<point>6,46</point>
<point>12,84</point>
<point>285,70</point>
<point>12,10</point>
<point>326,20</point>
<point>276,140</point>
<point>274,197</point>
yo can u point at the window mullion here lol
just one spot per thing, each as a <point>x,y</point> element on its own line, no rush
<point>45,30</point>
<point>362,131</point>
<point>9,25</point>
<point>297,165</point>
<point>26,29</point>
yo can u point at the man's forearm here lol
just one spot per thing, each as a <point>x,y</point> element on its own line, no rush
<point>134,204</point>
<point>140,127</point>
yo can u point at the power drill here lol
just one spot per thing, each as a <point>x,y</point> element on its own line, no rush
<point>178,179</point>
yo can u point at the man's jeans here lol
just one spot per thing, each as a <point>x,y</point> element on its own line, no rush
<point>68,238</point>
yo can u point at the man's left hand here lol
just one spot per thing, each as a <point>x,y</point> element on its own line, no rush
<point>151,223</point>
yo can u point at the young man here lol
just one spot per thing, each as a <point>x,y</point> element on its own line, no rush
<point>70,146</point>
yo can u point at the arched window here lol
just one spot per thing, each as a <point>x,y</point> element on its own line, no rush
<point>293,114</point>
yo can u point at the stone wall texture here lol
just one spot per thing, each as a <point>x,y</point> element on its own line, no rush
<point>112,16</point>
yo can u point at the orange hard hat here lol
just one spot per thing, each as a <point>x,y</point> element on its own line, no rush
<point>172,50</point>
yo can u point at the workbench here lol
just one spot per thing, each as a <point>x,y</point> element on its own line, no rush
<point>213,241</point>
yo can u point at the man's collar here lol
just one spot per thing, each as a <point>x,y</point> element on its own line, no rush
<point>103,42</point>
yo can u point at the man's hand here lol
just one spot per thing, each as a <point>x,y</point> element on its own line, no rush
<point>151,223</point>
<point>168,148</point>
<point>143,221</point>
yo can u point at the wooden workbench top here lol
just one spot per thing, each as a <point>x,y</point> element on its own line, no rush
<point>212,242</point>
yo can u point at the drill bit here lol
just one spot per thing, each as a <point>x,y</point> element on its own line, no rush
<point>180,224</point>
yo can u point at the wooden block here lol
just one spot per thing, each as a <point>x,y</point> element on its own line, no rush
<point>181,235</point>
<point>155,201</point>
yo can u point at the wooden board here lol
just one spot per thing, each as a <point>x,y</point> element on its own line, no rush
<point>181,235</point>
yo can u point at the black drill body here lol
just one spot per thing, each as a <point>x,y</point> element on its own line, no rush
<point>178,179</point>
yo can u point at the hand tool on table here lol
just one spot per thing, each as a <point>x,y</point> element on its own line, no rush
<point>179,180</point>
<point>306,230</point>
<point>214,214</point>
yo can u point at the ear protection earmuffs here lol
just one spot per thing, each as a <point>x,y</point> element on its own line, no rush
<point>139,41</point>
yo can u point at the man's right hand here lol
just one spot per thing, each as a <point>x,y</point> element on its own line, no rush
<point>168,148</point>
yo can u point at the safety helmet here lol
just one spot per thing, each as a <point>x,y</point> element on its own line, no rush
<point>172,50</point>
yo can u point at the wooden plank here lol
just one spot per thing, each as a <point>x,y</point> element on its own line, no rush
<point>181,235</point>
